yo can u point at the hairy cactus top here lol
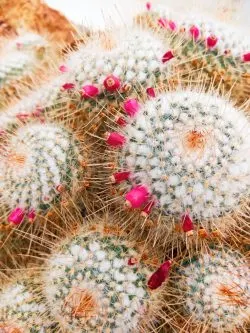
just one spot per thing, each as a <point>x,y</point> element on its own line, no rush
<point>220,49</point>
<point>106,68</point>
<point>216,289</point>
<point>184,151</point>
<point>39,162</point>
<point>21,56</point>
<point>22,308</point>
<point>97,281</point>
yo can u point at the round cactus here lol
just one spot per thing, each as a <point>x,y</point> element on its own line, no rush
<point>39,162</point>
<point>20,58</point>
<point>22,308</point>
<point>220,49</point>
<point>98,76</point>
<point>97,281</point>
<point>215,289</point>
<point>183,153</point>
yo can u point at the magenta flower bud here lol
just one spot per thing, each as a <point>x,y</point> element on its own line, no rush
<point>167,56</point>
<point>211,41</point>
<point>63,69</point>
<point>31,215</point>
<point>115,139</point>
<point>246,57</point>
<point>89,91</point>
<point>195,32</point>
<point>16,216</point>
<point>137,197</point>
<point>151,92</point>
<point>68,86</point>
<point>131,106</point>
<point>112,83</point>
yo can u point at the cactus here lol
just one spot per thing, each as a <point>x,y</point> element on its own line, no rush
<point>21,57</point>
<point>22,308</point>
<point>221,50</point>
<point>215,290</point>
<point>183,154</point>
<point>97,281</point>
<point>39,162</point>
<point>98,75</point>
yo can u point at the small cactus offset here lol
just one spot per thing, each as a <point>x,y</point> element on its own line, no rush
<point>20,58</point>
<point>183,154</point>
<point>215,290</point>
<point>23,308</point>
<point>98,281</point>
<point>39,163</point>
<point>220,49</point>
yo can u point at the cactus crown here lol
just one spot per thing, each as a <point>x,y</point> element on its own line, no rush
<point>185,151</point>
<point>40,162</point>
<point>216,289</point>
<point>96,281</point>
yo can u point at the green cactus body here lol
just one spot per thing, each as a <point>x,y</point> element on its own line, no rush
<point>93,284</point>
<point>216,289</point>
<point>41,161</point>
<point>22,309</point>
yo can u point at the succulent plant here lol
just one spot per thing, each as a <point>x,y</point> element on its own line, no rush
<point>23,308</point>
<point>98,76</point>
<point>98,281</point>
<point>20,58</point>
<point>219,48</point>
<point>39,162</point>
<point>215,290</point>
<point>183,154</point>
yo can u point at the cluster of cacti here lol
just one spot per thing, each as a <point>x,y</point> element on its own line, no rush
<point>221,50</point>
<point>143,109</point>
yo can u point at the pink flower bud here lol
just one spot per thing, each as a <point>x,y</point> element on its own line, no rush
<point>187,224</point>
<point>151,92</point>
<point>163,23</point>
<point>63,69</point>
<point>172,25</point>
<point>131,106</point>
<point>89,91</point>
<point>167,56</point>
<point>158,277</point>
<point>16,216</point>
<point>120,121</point>
<point>148,5</point>
<point>115,139</point>
<point>119,177</point>
<point>137,197</point>
<point>211,41</point>
<point>246,57</point>
<point>31,215</point>
<point>194,32</point>
<point>112,83</point>
<point>68,86</point>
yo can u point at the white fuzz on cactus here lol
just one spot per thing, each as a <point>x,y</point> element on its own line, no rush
<point>39,162</point>
<point>102,73</point>
<point>216,289</point>
<point>97,281</point>
<point>220,49</point>
<point>185,152</point>
<point>22,308</point>
<point>20,57</point>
